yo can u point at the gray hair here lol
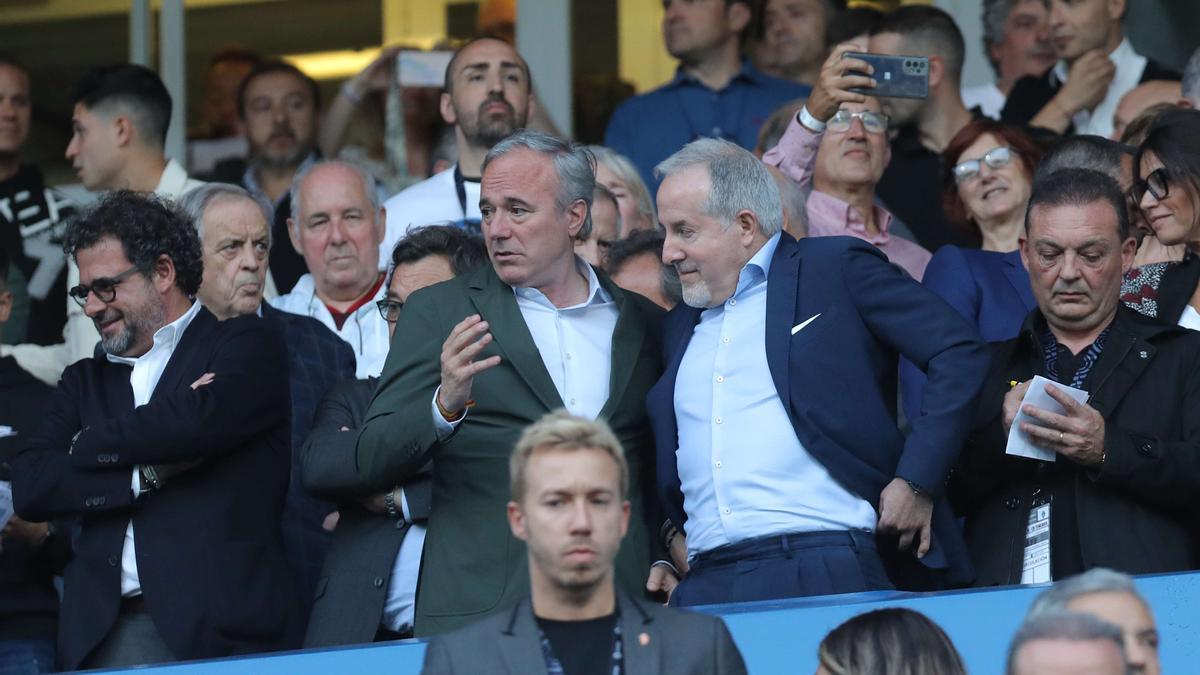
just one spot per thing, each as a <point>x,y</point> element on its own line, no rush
<point>1191,79</point>
<point>627,173</point>
<point>738,181</point>
<point>995,15</point>
<point>573,163</point>
<point>196,202</point>
<point>368,183</point>
<point>1086,152</point>
<point>1096,580</point>
<point>1071,626</point>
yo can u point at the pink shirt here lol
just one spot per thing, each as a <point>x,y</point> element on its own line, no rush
<point>828,216</point>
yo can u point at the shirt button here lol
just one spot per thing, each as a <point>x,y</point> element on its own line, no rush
<point>720,378</point>
<point>732,302</point>
<point>726,511</point>
<point>718,420</point>
<point>572,401</point>
<point>725,340</point>
<point>719,464</point>
<point>568,356</point>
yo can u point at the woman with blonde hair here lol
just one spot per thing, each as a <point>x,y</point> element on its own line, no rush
<point>893,641</point>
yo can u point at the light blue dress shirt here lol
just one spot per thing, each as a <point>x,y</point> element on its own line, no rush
<point>743,472</point>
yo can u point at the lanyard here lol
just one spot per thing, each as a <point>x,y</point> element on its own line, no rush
<point>554,667</point>
<point>1089,359</point>
<point>460,186</point>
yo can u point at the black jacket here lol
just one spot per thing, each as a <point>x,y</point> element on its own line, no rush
<point>28,602</point>
<point>209,556</point>
<point>1136,512</point>
<point>1031,93</point>
<point>353,586</point>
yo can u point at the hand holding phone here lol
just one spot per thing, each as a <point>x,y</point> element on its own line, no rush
<point>895,76</point>
<point>840,81</point>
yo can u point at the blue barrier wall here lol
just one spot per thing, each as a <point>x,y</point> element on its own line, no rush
<point>782,637</point>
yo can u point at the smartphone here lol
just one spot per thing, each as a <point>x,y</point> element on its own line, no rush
<point>895,76</point>
<point>422,69</point>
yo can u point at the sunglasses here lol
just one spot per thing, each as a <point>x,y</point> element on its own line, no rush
<point>873,122</point>
<point>967,171</point>
<point>104,288</point>
<point>390,310</point>
<point>1157,183</point>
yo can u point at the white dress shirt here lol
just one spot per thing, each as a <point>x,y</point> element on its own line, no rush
<point>1130,66</point>
<point>743,472</point>
<point>575,344</point>
<point>143,377</point>
<point>987,97</point>
<point>365,330</point>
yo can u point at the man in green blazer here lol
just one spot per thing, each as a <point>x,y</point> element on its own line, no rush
<point>480,357</point>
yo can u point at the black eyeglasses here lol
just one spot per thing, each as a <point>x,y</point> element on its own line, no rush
<point>1157,183</point>
<point>390,309</point>
<point>105,288</point>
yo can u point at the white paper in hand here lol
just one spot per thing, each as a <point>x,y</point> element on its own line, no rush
<point>6,504</point>
<point>1019,442</point>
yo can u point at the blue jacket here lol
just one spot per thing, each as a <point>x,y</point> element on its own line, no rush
<point>837,377</point>
<point>990,289</point>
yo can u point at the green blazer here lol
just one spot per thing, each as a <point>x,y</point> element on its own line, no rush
<point>472,564</point>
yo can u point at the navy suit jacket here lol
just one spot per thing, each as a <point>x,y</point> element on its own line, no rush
<point>837,377</point>
<point>990,289</point>
<point>317,360</point>
<point>208,548</point>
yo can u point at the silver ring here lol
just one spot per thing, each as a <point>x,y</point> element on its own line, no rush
<point>1060,437</point>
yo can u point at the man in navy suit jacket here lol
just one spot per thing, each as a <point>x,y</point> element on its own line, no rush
<point>779,456</point>
<point>235,238</point>
<point>172,449</point>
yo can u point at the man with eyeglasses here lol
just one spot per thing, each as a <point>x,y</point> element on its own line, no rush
<point>235,241</point>
<point>837,146</point>
<point>369,582</point>
<point>171,448</point>
<point>1115,487</point>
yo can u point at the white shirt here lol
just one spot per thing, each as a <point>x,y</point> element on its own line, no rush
<point>1130,65</point>
<point>1190,318</point>
<point>433,200</point>
<point>575,344</point>
<point>743,472</point>
<point>143,377</point>
<point>365,330</point>
<point>987,96</point>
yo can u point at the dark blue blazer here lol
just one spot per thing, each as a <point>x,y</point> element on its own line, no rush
<point>317,360</point>
<point>990,289</point>
<point>837,376</point>
<point>208,548</point>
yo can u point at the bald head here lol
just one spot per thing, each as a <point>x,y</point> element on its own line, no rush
<point>1140,98</point>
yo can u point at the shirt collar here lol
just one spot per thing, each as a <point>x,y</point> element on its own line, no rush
<point>251,182</point>
<point>1122,57</point>
<point>848,219</point>
<point>596,293</point>
<point>747,72</point>
<point>173,180</point>
<point>755,271</point>
<point>168,336</point>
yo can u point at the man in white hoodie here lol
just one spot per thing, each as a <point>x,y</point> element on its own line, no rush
<point>338,225</point>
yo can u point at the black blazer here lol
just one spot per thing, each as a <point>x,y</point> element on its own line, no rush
<point>1136,513</point>
<point>209,557</point>
<point>1031,93</point>
<point>353,585</point>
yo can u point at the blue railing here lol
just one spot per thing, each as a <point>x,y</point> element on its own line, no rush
<point>782,636</point>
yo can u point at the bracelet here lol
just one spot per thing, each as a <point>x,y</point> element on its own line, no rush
<point>809,122</point>
<point>450,415</point>
<point>351,95</point>
<point>151,477</point>
<point>389,503</point>
<point>915,488</point>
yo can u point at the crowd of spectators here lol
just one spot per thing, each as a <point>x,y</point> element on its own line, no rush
<point>777,337</point>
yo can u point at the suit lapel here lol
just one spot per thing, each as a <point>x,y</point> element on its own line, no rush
<point>1125,357</point>
<point>1015,272</point>
<point>782,292</point>
<point>497,304</point>
<point>195,334</point>
<point>519,643</point>
<point>627,339</point>
<point>640,642</point>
